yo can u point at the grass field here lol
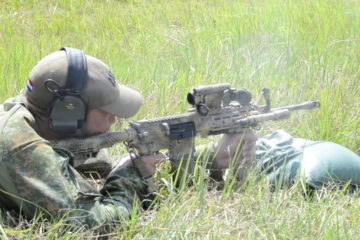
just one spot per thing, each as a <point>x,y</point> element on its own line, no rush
<point>300,50</point>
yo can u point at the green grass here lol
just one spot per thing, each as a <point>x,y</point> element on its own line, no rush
<point>300,50</point>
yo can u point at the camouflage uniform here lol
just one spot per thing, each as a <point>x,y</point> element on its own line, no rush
<point>34,177</point>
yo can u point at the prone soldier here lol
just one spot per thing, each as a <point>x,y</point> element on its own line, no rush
<point>73,95</point>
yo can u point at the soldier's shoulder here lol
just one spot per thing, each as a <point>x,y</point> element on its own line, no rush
<point>16,125</point>
<point>13,111</point>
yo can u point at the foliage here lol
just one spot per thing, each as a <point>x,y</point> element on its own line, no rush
<point>301,50</point>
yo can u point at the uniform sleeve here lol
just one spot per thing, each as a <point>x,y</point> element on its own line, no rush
<point>34,177</point>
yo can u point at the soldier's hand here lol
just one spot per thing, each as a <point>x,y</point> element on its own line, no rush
<point>146,164</point>
<point>150,162</point>
<point>227,146</point>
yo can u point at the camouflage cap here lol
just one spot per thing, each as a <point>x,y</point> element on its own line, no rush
<point>100,92</point>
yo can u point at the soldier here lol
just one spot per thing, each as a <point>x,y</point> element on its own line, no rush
<point>70,94</point>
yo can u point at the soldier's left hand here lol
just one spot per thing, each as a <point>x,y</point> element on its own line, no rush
<point>227,146</point>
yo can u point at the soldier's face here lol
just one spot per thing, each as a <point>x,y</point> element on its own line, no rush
<point>98,121</point>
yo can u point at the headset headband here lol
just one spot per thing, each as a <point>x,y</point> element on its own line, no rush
<point>77,70</point>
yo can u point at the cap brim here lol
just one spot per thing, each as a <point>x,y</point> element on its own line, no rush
<point>126,105</point>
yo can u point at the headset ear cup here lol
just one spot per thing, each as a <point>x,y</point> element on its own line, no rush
<point>67,114</point>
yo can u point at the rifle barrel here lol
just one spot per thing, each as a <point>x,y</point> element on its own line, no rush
<point>302,106</point>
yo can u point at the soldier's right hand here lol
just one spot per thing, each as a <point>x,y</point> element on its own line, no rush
<point>146,164</point>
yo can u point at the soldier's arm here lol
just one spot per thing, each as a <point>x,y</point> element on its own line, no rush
<point>34,177</point>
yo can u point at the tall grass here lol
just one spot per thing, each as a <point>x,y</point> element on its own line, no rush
<point>300,50</point>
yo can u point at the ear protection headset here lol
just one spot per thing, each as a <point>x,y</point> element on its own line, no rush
<point>68,110</point>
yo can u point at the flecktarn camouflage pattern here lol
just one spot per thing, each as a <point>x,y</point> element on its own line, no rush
<point>35,178</point>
